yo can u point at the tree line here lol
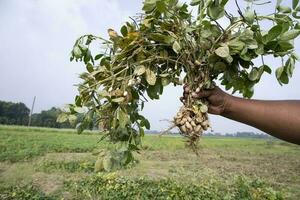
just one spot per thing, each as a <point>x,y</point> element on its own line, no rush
<point>18,114</point>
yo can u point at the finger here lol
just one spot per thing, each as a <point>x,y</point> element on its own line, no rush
<point>185,95</point>
<point>204,94</point>
<point>186,89</point>
<point>182,99</point>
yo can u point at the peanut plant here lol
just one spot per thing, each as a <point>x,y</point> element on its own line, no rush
<point>166,42</point>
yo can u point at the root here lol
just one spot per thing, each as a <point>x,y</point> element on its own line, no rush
<point>166,131</point>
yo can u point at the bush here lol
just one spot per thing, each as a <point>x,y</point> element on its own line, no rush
<point>110,186</point>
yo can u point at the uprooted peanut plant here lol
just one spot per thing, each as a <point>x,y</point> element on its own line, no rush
<point>166,42</point>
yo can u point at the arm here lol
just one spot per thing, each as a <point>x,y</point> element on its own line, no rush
<point>280,119</point>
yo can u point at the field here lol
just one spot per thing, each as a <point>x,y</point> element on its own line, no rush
<point>39,163</point>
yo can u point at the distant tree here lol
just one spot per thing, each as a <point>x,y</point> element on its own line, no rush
<point>48,118</point>
<point>13,113</point>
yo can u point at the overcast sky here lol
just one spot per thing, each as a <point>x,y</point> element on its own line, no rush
<point>36,38</point>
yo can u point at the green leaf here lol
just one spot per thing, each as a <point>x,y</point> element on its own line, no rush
<point>195,2</point>
<point>295,15</point>
<point>161,6</point>
<point>236,45</point>
<point>260,50</point>
<point>122,117</point>
<point>87,56</point>
<point>279,72</point>
<point>165,81</point>
<point>223,51</point>
<point>295,4</point>
<point>176,47</point>
<point>249,16</point>
<point>254,75</point>
<point>285,45</point>
<point>290,35</point>
<point>281,75</point>
<point>149,6</point>
<point>274,32</point>
<point>150,76</point>
<point>77,52</point>
<point>215,11</point>
<point>220,67</point>
<point>124,31</point>
<point>295,56</point>
<point>267,69</point>
<point>90,67</point>
<point>97,57</point>
<point>139,70</point>
<point>145,123</point>
<point>158,37</point>
<point>284,78</point>
<point>284,9</point>
<point>206,33</point>
<point>81,127</point>
<point>289,67</point>
<point>224,2</point>
<point>78,101</point>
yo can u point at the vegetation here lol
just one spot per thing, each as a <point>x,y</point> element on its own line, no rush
<point>13,113</point>
<point>113,187</point>
<point>18,114</point>
<point>48,118</point>
<point>110,186</point>
<point>43,163</point>
<point>167,42</point>
<point>21,144</point>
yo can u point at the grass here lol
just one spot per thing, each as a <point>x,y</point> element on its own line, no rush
<point>21,144</point>
<point>47,159</point>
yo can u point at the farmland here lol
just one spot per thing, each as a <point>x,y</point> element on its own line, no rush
<point>40,163</point>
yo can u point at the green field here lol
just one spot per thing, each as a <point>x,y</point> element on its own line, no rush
<point>39,163</point>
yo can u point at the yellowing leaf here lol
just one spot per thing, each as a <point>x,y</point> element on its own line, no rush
<point>62,118</point>
<point>176,47</point>
<point>118,100</point>
<point>150,76</point>
<point>140,70</point>
<point>223,52</point>
<point>107,163</point>
<point>99,165</point>
<point>203,108</point>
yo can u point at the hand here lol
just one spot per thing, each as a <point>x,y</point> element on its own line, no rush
<point>218,100</point>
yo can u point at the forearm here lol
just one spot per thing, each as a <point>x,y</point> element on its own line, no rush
<point>280,119</point>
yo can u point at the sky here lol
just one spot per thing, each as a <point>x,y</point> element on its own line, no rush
<point>36,38</point>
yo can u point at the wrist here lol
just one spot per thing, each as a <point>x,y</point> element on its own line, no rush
<point>228,104</point>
